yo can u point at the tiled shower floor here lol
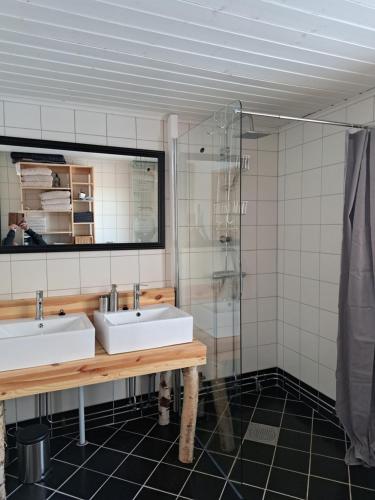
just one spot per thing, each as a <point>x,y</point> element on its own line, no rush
<point>138,460</point>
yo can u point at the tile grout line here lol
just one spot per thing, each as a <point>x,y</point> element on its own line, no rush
<point>128,454</point>
<point>239,451</point>
<point>310,458</point>
<point>156,466</point>
<point>274,453</point>
<point>81,466</point>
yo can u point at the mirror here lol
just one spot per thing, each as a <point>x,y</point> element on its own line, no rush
<point>57,196</point>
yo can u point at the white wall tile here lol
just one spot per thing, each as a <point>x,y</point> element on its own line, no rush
<point>293,211</point>
<point>312,154</point>
<point>310,292</point>
<point>330,267</point>
<point>149,130</point>
<point>332,209</point>
<point>21,115</point>
<point>333,179</point>
<point>57,119</point>
<point>333,149</point>
<point>327,381</point>
<point>361,112</point>
<point>121,126</point>
<point>152,268</point>
<point>63,274</point>
<point>95,271</point>
<point>293,186</point>
<point>294,136</point>
<point>293,160</point>
<point>266,356</point>
<point>125,269</point>
<point>292,262</point>
<point>267,188</point>
<point>311,210</point>
<point>331,239</point>
<point>309,317</point>
<point>329,294</point>
<point>327,353</point>
<point>309,372</point>
<point>28,276</point>
<point>292,287</point>
<point>309,345</point>
<point>89,122</point>
<point>310,239</point>
<point>311,182</point>
<point>5,281</point>
<point>310,265</point>
<point>328,325</point>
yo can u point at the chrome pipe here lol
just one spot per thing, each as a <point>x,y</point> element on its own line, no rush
<point>307,120</point>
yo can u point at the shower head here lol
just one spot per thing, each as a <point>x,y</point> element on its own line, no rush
<point>249,132</point>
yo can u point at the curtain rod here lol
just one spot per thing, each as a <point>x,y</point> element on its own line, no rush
<point>310,120</point>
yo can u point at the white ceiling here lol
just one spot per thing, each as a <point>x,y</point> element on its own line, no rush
<point>188,56</point>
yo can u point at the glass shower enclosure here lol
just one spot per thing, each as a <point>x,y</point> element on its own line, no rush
<point>208,181</point>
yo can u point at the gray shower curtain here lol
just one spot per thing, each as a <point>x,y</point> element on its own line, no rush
<point>355,374</point>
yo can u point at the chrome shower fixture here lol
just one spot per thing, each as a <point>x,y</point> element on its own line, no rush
<point>250,133</point>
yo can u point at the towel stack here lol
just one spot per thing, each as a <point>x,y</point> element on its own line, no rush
<point>56,201</point>
<point>36,177</point>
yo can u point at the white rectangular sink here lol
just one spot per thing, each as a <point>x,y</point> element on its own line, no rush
<point>146,328</point>
<point>28,342</point>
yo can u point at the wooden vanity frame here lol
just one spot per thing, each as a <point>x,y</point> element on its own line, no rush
<point>104,367</point>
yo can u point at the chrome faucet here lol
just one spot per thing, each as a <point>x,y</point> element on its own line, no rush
<point>137,293</point>
<point>39,305</point>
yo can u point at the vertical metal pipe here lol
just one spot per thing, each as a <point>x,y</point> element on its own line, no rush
<point>174,195</point>
<point>81,409</point>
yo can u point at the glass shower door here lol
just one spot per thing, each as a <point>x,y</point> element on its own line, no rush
<point>210,280</point>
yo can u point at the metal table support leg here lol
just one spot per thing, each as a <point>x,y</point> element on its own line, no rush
<point>82,427</point>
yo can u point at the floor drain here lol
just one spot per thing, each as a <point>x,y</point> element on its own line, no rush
<point>260,433</point>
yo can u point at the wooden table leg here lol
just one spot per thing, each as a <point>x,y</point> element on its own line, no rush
<point>189,415</point>
<point>2,451</point>
<point>164,397</point>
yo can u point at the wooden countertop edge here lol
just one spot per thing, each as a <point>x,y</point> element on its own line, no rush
<point>99,369</point>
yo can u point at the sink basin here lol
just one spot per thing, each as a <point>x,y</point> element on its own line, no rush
<point>147,328</point>
<point>28,342</point>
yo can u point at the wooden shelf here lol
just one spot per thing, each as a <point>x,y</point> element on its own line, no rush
<point>56,232</point>
<point>74,178</point>
<point>46,188</point>
<point>50,211</point>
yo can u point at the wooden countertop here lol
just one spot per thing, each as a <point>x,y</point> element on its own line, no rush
<point>102,368</point>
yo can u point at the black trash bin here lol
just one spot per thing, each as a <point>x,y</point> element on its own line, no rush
<point>33,448</point>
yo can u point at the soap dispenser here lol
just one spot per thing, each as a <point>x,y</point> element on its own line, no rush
<point>113,299</point>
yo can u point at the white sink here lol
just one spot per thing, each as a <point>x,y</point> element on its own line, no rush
<point>28,342</point>
<point>146,328</point>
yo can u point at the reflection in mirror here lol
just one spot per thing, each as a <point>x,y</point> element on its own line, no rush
<point>77,198</point>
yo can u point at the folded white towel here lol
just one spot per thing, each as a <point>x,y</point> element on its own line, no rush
<point>36,171</point>
<point>57,201</point>
<point>52,195</point>
<point>57,208</point>
<point>36,178</point>
<point>41,184</point>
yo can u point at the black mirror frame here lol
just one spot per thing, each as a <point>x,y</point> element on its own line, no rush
<point>94,148</point>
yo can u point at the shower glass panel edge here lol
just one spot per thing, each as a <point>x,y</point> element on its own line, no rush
<point>209,208</point>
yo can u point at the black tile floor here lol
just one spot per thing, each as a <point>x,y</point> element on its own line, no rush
<point>138,459</point>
